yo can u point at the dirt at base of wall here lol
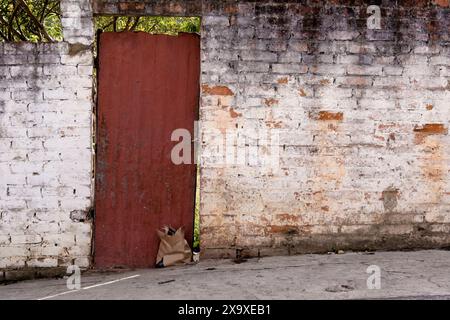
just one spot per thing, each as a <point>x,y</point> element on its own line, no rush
<point>13,275</point>
<point>325,244</point>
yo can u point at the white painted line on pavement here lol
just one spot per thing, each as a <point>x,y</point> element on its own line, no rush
<point>109,282</point>
<point>57,295</point>
<point>89,287</point>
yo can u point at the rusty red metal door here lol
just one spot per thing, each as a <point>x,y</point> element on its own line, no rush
<point>148,87</point>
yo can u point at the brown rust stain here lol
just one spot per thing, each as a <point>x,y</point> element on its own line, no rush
<point>328,171</point>
<point>302,92</point>
<point>224,114</point>
<point>224,120</point>
<point>333,127</point>
<point>331,116</point>
<point>271,122</point>
<point>274,124</point>
<point>392,137</point>
<point>270,102</point>
<point>429,107</point>
<point>285,229</point>
<point>387,126</point>
<point>234,114</point>
<point>429,129</point>
<point>217,90</point>
<point>434,167</point>
<point>333,169</point>
<point>328,116</point>
<point>284,80</point>
<point>286,217</point>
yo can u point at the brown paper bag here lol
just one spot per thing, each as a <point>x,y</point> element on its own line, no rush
<point>173,249</point>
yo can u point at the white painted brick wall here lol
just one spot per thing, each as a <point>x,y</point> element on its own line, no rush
<point>363,115</point>
<point>336,172</point>
<point>46,146</point>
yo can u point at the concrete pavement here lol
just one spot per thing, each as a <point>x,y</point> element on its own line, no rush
<point>404,275</point>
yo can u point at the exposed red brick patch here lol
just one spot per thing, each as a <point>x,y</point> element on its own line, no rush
<point>329,116</point>
<point>429,107</point>
<point>302,93</point>
<point>132,6</point>
<point>284,80</point>
<point>274,124</point>
<point>431,129</point>
<point>234,114</point>
<point>217,90</point>
<point>442,3</point>
<point>270,102</point>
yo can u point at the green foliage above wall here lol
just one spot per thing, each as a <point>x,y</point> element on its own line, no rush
<point>159,25</point>
<point>30,20</point>
<point>40,21</point>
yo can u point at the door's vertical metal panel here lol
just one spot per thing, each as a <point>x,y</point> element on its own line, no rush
<point>148,87</point>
